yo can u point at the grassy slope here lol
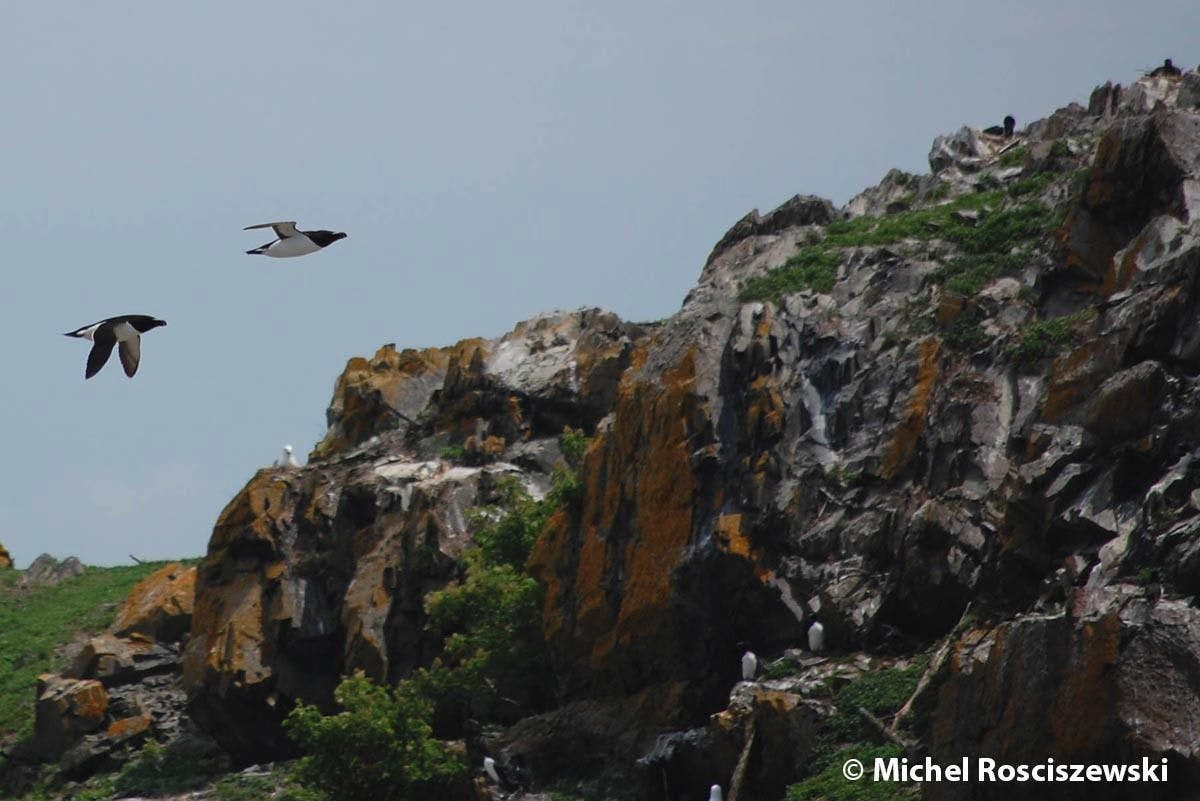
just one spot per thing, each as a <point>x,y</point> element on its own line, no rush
<point>34,623</point>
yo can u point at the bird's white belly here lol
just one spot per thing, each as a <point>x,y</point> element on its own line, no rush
<point>292,246</point>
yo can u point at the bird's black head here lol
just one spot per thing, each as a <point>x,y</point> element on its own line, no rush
<point>324,238</point>
<point>144,322</point>
<point>1167,63</point>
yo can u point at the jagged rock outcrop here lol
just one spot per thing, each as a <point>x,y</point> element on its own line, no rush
<point>317,572</point>
<point>978,432</point>
<point>123,686</point>
<point>5,560</point>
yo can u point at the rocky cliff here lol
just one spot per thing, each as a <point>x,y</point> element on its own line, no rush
<point>956,422</point>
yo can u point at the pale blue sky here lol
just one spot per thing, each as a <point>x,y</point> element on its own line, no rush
<point>487,160</point>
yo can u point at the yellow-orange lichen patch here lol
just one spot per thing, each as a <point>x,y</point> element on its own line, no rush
<point>128,727</point>
<point>1074,376</point>
<point>1085,696</point>
<point>160,600</point>
<point>912,424</point>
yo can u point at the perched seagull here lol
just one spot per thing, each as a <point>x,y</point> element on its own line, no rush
<point>287,459</point>
<point>749,666</point>
<point>715,794</point>
<point>489,767</point>
<point>816,637</point>
<point>125,330</point>
<point>292,242</point>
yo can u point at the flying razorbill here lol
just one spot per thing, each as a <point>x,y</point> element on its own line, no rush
<point>126,331</point>
<point>292,242</point>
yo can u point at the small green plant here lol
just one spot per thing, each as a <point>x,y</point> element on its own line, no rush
<point>1014,157</point>
<point>1060,149</point>
<point>782,669</point>
<point>380,746</point>
<point>1031,185</point>
<point>814,267</point>
<point>453,453</point>
<point>573,443</point>
<point>279,784</point>
<point>1148,575</point>
<point>155,770</point>
<point>841,475</point>
<point>1046,338</point>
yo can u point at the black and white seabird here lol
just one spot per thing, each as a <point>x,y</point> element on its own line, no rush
<point>715,794</point>
<point>1167,70</point>
<point>816,637</point>
<point>126,331</point>
<point>1007,130</point>
<point>292,242</point>
<point>749,666</point>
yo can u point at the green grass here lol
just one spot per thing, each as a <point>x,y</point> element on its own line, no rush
<point>1031,185</point>
<point>1001,226</point>
<point>1046,338</point>
<point>1014,157</point>
<point>814,267</point>
<point>453,453</point>
<point>967,275</point>
<point>34,623</point>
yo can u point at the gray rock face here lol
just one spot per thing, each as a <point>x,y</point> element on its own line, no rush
<point>976,428</point>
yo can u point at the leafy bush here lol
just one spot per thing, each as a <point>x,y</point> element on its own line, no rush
<point>380,746</point>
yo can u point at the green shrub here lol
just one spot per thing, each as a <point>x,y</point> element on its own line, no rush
<point>380,746</point>
<point>1031,185</point>
<point>453,453</point>
<point>573,443</point>
<point>814,267</point>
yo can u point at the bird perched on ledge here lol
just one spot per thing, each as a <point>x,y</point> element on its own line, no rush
<point>293,242</point>
<point>125,331</point>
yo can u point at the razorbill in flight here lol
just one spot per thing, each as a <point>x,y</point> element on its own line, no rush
<point>292,242</point>
<point>286,459</point>
<point>126,331</point>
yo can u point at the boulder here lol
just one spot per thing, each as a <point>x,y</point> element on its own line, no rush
<point>160,606</point>
<point>66,709</point>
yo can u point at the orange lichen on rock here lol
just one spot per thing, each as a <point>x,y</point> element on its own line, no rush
<point>128,727</point>
<point>1085,696</point>
<point>636,520</point>
<point>368,389</point>
<point>5,559</point>
<point>1074,376</point>
<point>912,424</point>
<point>160,606</point>
<point>227,633</point>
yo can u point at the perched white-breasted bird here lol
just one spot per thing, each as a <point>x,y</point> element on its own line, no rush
<point>125,331</point>
<point>816,637</point>
<point>292,242</point>
<point>287,459</point>
<point>489,767</point>
<point>715,794</point>
<point>749,666</point>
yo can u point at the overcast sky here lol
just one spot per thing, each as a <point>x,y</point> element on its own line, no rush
<point>488,160</point>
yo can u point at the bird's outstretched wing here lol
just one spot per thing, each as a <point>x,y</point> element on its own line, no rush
<point>102,346</point>
<point>283,230</point>
<point>130,353</point>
